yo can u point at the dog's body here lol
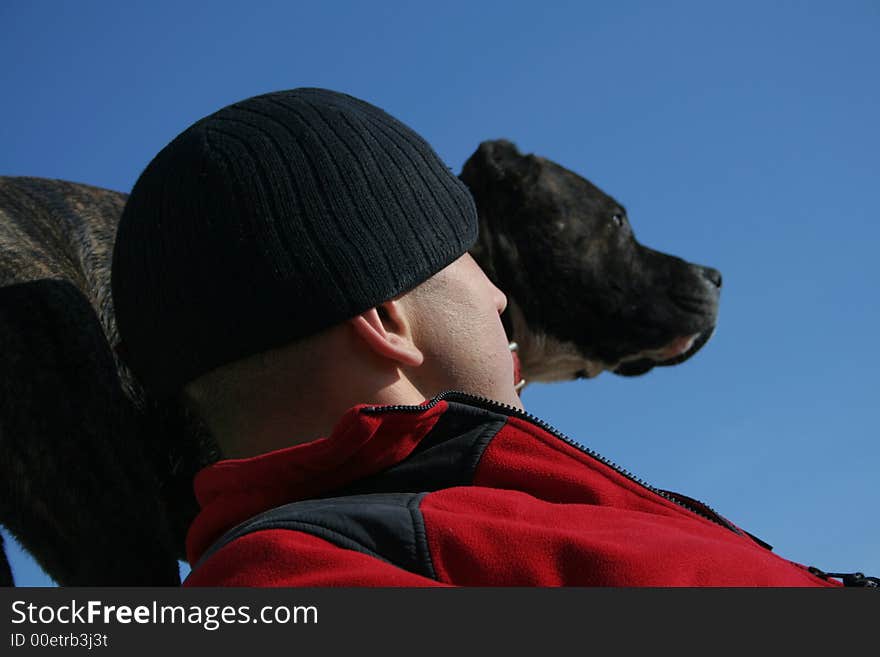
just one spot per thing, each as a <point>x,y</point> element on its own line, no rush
<point>584,297</point>
<point>51,229</point>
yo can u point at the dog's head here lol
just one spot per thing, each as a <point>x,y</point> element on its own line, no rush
<point>583,295</point>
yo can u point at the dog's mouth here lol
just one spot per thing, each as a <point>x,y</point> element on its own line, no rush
<point>677,351</point>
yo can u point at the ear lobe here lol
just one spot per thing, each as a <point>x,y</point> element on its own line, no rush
<point>387,334</point>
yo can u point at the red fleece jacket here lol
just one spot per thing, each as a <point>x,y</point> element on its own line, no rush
<point>459,491</point>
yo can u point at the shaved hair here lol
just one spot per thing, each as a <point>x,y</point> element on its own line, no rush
<point>218,398</point>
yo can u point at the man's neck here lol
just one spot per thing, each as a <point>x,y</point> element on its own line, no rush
<point>283,418</point>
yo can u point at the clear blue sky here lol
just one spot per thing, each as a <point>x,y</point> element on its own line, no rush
<point>739,135</point>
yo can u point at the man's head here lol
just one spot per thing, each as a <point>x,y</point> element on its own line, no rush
<point>445,334</point>
<point>281,235</point>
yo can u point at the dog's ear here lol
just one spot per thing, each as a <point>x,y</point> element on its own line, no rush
<point>498,161</point>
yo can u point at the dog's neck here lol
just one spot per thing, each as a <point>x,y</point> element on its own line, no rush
<point>543,357</point>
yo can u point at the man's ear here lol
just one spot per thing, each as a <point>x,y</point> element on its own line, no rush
<point>386,331</point>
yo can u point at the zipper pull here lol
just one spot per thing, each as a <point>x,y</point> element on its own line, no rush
<point>849,579</point>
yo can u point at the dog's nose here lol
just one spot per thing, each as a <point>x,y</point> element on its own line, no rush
<point>713,276</point>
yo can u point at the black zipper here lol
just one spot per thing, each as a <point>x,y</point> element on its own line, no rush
<point>507,409</point>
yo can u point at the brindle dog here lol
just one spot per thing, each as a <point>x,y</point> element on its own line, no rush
<point>96,475</point>
<point>583,295</point>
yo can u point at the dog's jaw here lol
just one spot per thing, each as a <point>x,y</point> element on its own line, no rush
<point>675,352</point>
<point>673,349</point>
<point>548,359</point>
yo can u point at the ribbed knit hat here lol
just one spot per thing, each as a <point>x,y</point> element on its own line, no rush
<point>270,220</point>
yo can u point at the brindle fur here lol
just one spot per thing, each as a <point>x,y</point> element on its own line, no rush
<point>98,475</point>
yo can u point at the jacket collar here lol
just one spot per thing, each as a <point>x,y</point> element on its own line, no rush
<point>232,491</point>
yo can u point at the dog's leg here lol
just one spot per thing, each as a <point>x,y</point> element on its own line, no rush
<point>76,489</point>
<point>5,570</point>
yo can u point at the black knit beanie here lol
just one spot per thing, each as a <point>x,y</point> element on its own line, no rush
<point>270,220</point>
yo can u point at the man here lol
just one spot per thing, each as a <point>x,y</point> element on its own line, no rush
<point>295,266</point>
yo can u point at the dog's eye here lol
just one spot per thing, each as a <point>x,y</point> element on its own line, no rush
<point>617,219</point>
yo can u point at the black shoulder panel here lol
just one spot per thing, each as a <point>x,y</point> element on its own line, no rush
<point>386,526</point>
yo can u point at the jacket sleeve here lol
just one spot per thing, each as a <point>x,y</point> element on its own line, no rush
<point>283,557</point>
